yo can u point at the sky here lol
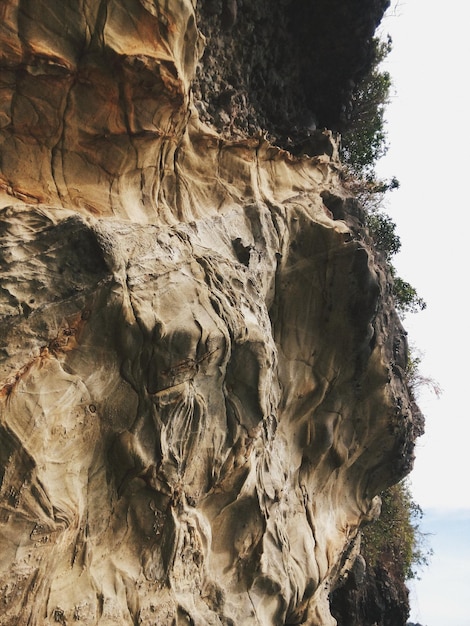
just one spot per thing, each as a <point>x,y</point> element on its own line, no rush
<point>429,137</point>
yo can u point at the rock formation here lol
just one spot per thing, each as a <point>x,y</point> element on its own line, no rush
<point>202,373</point>
<point>377,597</point>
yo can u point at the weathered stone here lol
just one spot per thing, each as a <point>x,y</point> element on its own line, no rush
<point>202,371</point>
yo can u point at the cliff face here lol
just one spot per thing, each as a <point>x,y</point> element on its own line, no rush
<point>371,596</point>
<point>285,66</point>
<point>202,371</point>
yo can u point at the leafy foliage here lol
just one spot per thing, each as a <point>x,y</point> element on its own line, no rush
<point>383,232</point>
<point>363,143</point>
<point>364,139</point>
<point>395,538</point>
<point>405,295</point>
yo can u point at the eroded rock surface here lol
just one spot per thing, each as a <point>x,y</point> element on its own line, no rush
<point>287,66</point>
<point>202,371</point>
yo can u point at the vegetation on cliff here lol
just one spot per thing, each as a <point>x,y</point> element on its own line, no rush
<point>383,231</point>
<point>393,547</point>
<point>395,539</point>
<point>363,143</point>
<point>393,550</point>
<point>364,138</point>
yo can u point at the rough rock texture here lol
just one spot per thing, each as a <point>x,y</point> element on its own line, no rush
<point>372,596</point>
<point>287,67</point>
<point>202,374</point>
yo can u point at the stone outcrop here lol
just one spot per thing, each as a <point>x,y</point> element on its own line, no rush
<point>285,66</point>
<point>202,373</point>
<point>378,597</point>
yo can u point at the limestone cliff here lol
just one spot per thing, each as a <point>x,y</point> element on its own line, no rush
<point>202,373</point>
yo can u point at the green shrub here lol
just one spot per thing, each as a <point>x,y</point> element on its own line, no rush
<point>383,232</point>
<point>395,539</point>
<point>364,139</point>
<point>363,143</point>
<point>405,296</point>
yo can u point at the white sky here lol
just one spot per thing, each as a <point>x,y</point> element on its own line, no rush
<point>429,136</point>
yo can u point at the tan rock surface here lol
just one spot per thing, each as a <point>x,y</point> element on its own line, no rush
<point>202,372</point>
